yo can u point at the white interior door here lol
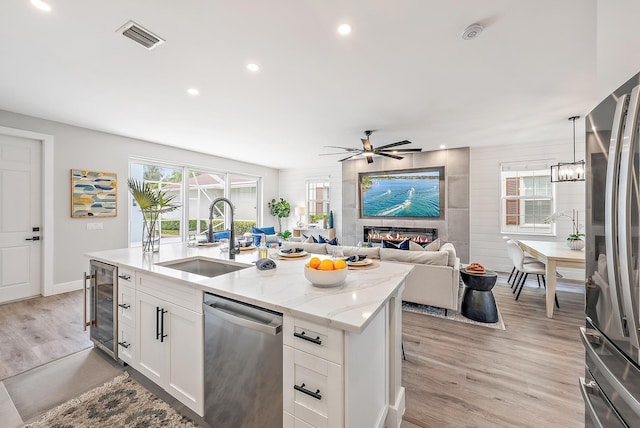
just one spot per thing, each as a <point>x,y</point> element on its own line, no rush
<point>20,218</point>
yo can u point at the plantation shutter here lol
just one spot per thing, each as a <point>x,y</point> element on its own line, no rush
<point>512,208</point>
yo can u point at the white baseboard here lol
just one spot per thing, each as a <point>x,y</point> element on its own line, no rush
<point>64,287</point>
<point>396,411</point>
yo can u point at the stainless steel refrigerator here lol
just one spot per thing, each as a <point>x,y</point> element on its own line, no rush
<point>611,336</point>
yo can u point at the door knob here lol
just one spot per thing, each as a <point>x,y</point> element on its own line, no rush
<point>34,238</point>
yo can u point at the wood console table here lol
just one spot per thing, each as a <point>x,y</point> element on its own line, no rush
<point>308,231</point>
<point>553,254</point>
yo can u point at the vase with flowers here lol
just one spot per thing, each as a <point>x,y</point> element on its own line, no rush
<point>574,240</point>
<point>152,203</point>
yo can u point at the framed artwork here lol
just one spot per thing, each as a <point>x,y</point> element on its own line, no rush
<point>93,194</point>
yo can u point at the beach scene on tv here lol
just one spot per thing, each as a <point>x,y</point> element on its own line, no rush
<point>406,194</point>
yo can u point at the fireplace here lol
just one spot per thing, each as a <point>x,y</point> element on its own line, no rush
<point>421,235</point>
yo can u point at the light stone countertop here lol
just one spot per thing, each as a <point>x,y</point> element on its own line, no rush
<point>349,306</point>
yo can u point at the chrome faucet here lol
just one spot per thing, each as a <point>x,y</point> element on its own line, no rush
<point>232,239</point>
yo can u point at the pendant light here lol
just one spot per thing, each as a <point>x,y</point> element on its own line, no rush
<point>570,171</point>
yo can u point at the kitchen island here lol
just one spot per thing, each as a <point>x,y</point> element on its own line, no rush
<point>355,356</point>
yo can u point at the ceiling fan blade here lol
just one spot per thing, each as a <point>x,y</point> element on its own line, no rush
<point>350,157</point>
<point>400,150</point>
<point>366,144</point>
<point>348,149</point>
<point>335,153</point>
<point>399,143</point>
<point>390,156</point>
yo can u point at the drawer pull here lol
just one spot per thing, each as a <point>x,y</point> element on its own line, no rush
<point>124,305</point>
<point>124,276</point>
<point>124,344</point>
<point>304,390</point>
<point>303,335</point>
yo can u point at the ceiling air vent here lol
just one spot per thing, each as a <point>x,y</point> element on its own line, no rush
<point>140,35</point>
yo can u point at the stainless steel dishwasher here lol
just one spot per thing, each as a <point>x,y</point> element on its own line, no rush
<point>242,364</point>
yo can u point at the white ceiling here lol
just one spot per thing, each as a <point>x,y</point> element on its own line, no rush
<point>404,71</point>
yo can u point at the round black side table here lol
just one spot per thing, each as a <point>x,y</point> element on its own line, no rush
<point>478,302</point>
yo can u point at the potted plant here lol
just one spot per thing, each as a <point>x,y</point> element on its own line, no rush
<point>574,240</point>
<point>280,209</point>
<point>284,235</point>
<point>152,203</point>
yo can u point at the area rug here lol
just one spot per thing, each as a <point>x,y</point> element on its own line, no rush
<point>450,314</point>
<point>121,402</point>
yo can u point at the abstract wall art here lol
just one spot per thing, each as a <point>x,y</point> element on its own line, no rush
<point>93,194</point>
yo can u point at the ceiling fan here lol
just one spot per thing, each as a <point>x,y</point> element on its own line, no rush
<point>368,150</point>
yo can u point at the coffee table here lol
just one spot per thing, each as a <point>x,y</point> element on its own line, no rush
<point>478,302</point>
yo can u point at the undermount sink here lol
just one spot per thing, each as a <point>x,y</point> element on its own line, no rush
<point>204,267</point>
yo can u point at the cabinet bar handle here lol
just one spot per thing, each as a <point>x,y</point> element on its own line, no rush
<point>303,336</point>
<point>124,276</point>
<point>304,390</point>
<point>162,335</point>
<point>157,323</point>
<point>124,344</point>
<point>124,305</point>
<point>85,324</point>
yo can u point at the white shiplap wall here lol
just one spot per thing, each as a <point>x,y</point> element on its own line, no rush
<point>292,187</point>
<point>486,241</point>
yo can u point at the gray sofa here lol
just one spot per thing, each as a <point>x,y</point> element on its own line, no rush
<point>433,281</point>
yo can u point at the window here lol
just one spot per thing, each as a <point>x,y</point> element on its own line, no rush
<point>527,198</point>
<point>200,189</point>
<point>318,199</point>
<point>165,178</point>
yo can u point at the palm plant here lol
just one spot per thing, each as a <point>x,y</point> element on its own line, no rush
<point>152,203</point>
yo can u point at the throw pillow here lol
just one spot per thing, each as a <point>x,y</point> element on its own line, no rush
<point>311,240</point>
<point>433,246</point>
<point>257,231</point>
<point>414,246</point>
<point>323,240</point>
<point>221,235</point>
<point>404,245</point>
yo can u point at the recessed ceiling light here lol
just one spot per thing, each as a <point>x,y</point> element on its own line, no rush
<point>344,29</point>
<point>442,146</point>
<point>253,67</point>
<point>193,91</point>
<point>40,4</point>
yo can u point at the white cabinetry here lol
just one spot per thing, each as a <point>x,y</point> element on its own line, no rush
<point>161,335</point>
<point>126,316</point>
<point>333,378</point>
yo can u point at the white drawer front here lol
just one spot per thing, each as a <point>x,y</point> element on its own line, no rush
<point>175,292</point>
<point>316,339</point>
<point>322,405</point>
<point>290,421</point>
<point>126,306</point>
<point>126,277</point>
<point>126,344</point>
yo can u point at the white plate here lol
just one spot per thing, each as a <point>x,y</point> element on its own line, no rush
<point>292,255</point>
<point>364,262</point>
<point>208,244</point>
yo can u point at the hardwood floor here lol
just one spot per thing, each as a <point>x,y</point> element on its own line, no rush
<point>461,375</point>
<point>36,331</point>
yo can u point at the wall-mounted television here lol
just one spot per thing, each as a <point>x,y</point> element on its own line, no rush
<point>408,193</point>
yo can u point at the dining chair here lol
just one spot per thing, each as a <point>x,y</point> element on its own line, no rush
<point>515,273</point>
<point>533,267</point>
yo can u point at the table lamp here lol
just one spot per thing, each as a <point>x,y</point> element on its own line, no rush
<point>300,212</point>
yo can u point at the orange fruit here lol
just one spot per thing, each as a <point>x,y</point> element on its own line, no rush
<point>314,263</point>
<point>340,264</point>
<point>326,264</point>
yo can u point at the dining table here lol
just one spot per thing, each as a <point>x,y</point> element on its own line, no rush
<point>553,254</point>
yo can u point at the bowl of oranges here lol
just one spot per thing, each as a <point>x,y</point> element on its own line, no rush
<point>325,273</point>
